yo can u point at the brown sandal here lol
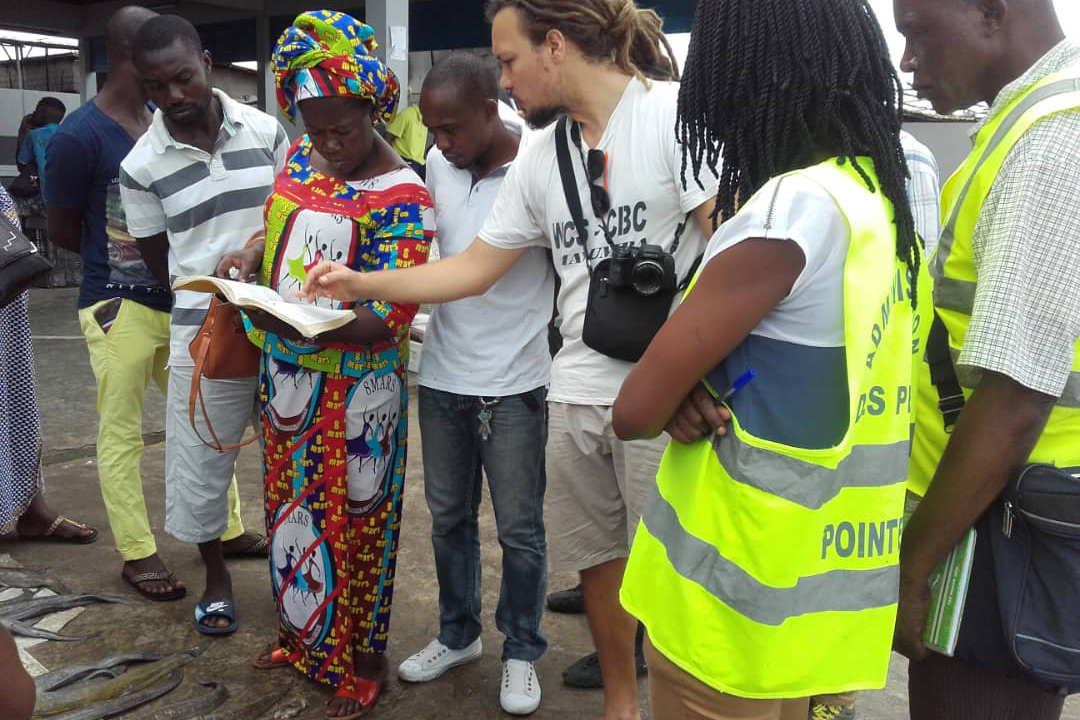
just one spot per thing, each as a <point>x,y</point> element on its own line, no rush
<point>51,535</point>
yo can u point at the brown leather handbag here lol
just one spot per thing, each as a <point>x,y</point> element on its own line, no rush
<point>221,351</point>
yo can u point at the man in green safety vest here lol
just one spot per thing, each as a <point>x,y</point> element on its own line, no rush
<point>1005,288</point>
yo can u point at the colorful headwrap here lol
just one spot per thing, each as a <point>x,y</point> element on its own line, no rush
<point>326,53</point>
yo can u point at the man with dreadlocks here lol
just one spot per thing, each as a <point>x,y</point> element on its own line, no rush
<point>587,59</point>
<point>766,572</point>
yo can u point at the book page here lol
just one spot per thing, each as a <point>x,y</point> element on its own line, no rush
<point>309,320</point>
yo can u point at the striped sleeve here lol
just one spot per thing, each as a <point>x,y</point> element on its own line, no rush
<point>142,207</point>
<point>281,148</point>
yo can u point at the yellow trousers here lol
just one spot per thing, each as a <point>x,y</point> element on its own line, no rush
<point>134,351</point>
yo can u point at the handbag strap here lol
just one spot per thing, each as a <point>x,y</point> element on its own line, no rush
<point>943,374</point>
<point>196,397</point>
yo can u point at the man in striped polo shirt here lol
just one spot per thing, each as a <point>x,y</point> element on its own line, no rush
<point>193,189</point>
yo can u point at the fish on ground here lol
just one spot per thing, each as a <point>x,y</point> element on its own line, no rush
<point>120,705</point>
<point>289,708</point>
<point>80,696</point>
<point>195,707</point>
<point>17,627</point>
<point>35,608</point>
<point>63,677</point>
<point>254,709</point>
<point>29,578</point>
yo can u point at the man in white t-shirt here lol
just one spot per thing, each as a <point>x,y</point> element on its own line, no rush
<point>483,385</point>
<point>564,62</point>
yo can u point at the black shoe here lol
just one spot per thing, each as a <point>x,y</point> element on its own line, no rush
<point>585,672</point>
<point>567,601</point>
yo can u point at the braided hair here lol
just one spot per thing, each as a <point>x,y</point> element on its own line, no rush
<point>771,86</point>
<point>617,31</point>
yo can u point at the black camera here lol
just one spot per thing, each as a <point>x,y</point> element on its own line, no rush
<point>647,269</point>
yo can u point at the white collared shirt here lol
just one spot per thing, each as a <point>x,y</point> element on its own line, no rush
<point>209,204</point>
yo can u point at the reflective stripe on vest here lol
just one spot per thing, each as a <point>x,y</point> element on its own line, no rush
<point>832,591</point>
<point>955,281</point>
<point>771,571</point>
<point>1060,92</point>
<point>807,484</point>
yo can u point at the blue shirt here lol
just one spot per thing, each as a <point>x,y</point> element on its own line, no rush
<point>32,150</point>
<point>83,173</point>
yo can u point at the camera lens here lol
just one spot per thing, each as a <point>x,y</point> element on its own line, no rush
<point>648,277</point>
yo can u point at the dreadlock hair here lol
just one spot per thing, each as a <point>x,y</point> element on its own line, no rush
<point>775,85</point>
<point>616,31</point>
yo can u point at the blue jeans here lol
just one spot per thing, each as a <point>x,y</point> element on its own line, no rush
<point>513,458</point>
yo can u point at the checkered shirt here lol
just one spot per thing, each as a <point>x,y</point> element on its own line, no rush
<point>1026,248</point>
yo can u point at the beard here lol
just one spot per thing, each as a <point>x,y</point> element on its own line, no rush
<point>541,117</point>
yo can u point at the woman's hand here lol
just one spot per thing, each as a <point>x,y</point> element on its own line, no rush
<point>265,321</point>
<point>241,265</point>
<point>697,416</point>
<point>332,280</point>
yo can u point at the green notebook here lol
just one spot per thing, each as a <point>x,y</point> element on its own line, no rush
<point>948,591</point>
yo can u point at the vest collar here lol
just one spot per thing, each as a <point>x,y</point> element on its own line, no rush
<point>1059,57</point>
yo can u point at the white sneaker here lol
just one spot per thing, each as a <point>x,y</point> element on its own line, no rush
<point>520,691</point>
<point>435,659</point>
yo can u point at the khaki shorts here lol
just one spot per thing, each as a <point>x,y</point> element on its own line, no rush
<point>598,486</point>
<point>675,694</point>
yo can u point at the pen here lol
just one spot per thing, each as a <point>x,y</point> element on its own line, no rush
<point>739,384</point>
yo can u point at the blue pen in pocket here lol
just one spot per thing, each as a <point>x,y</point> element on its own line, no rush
<point>739,384</point>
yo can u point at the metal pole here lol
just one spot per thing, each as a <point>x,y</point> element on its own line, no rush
<point>18,66</point>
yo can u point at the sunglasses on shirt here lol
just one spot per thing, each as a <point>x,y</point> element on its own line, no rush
<point>595,166</point>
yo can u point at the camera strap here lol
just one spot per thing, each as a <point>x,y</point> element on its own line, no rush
<point>573,201</point>
<point>569,183</point>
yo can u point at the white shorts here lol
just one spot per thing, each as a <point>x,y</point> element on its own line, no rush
<point>598,486</point>
<point>197,477</point>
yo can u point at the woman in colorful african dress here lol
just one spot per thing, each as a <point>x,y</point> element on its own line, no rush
<point>334,406</point>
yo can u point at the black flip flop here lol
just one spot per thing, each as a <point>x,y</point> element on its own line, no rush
<point>136,581</point>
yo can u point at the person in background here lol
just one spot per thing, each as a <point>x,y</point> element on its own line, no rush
<point>1006,291</point>
<point>743,571</point>
<point>584,59</point>
<point>123,309</point>
<point>31,121</point>
<point>483,386</point>
<point>334,406</point>
<point>193,188</point>
<point>32,149</point>
<point>923,191</point>
<point>17,700</point>
<point>26,189</point>
<point>923,195</point>
<point>23,508</point>
<point>408,135</point>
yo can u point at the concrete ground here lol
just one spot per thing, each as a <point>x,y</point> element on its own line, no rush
<point>66,399</point>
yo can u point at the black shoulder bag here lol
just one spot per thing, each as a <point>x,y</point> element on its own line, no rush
<point>20,262</point>
<point>631,292</point>
<point>1032,535</point>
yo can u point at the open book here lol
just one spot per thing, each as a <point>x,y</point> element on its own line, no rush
<point>308,320</point>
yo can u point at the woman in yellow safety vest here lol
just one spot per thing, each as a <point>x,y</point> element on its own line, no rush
<point>766,569</point>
